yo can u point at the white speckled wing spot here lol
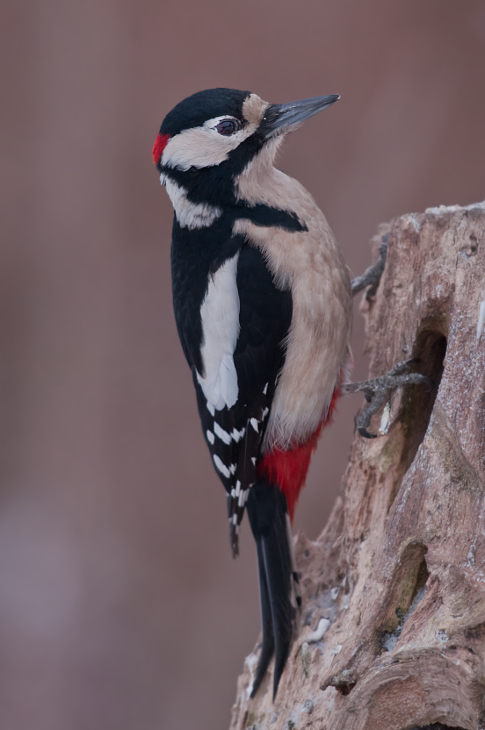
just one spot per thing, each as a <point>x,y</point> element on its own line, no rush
<point>221,466</point>
<point>220,330</point>
<point>237,435</point>
<point>210,437</point>
<point>243,497</point>
<point>223,435</point>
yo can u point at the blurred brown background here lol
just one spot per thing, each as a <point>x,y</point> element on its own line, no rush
<point>120,604</point>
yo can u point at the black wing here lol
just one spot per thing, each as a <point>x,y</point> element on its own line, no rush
<point>234,434</point>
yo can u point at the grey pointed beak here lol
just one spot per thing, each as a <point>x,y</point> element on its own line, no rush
<point>281,116</point>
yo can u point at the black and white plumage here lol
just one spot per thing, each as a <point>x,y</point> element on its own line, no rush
<point>263,309</point>
<point>234,412</point>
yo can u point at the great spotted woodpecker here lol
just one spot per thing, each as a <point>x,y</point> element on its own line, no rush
<point>263,307</point>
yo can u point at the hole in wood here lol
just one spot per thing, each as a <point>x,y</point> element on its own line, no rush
<point>345,688</point>
<point>418,401</point>
<point>429,351</point>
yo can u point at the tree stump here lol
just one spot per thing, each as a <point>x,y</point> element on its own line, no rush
<point>399,570</point>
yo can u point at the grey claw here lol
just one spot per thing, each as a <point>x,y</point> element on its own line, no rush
<point>371,276</point>
<point>378,390</point>
<point>365,433</point>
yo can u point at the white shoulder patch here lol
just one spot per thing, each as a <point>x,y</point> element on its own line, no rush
<point>220,330</point>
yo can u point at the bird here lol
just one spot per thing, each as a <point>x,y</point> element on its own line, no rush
<point>263,307</point>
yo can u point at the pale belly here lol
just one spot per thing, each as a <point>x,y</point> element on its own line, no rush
<point>318,352</point>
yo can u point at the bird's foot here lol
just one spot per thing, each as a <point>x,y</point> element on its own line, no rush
<point>372,276</point>
<point>378,392</point>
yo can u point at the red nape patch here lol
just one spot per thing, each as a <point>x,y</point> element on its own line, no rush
<point>159,146</point>
<point>288,469</point>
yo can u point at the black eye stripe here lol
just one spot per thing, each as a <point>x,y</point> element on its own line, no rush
<point>227,127</point>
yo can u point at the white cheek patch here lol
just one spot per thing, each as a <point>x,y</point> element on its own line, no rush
<point>220,330</point>
<point>189,215</point>
<point>203,146</point>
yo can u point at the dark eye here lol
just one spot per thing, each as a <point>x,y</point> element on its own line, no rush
<point>227,127</point>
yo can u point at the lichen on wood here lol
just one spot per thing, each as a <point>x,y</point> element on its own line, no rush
<point>399,570</point>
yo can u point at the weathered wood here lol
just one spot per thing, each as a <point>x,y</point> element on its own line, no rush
<point>399,570</point>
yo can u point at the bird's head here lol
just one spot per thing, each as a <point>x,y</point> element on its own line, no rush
<point>209,138</point>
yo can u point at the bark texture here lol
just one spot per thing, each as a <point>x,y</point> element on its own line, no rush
<point>399,570</point>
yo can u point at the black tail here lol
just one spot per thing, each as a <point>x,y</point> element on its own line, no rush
<point>268,517</point>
